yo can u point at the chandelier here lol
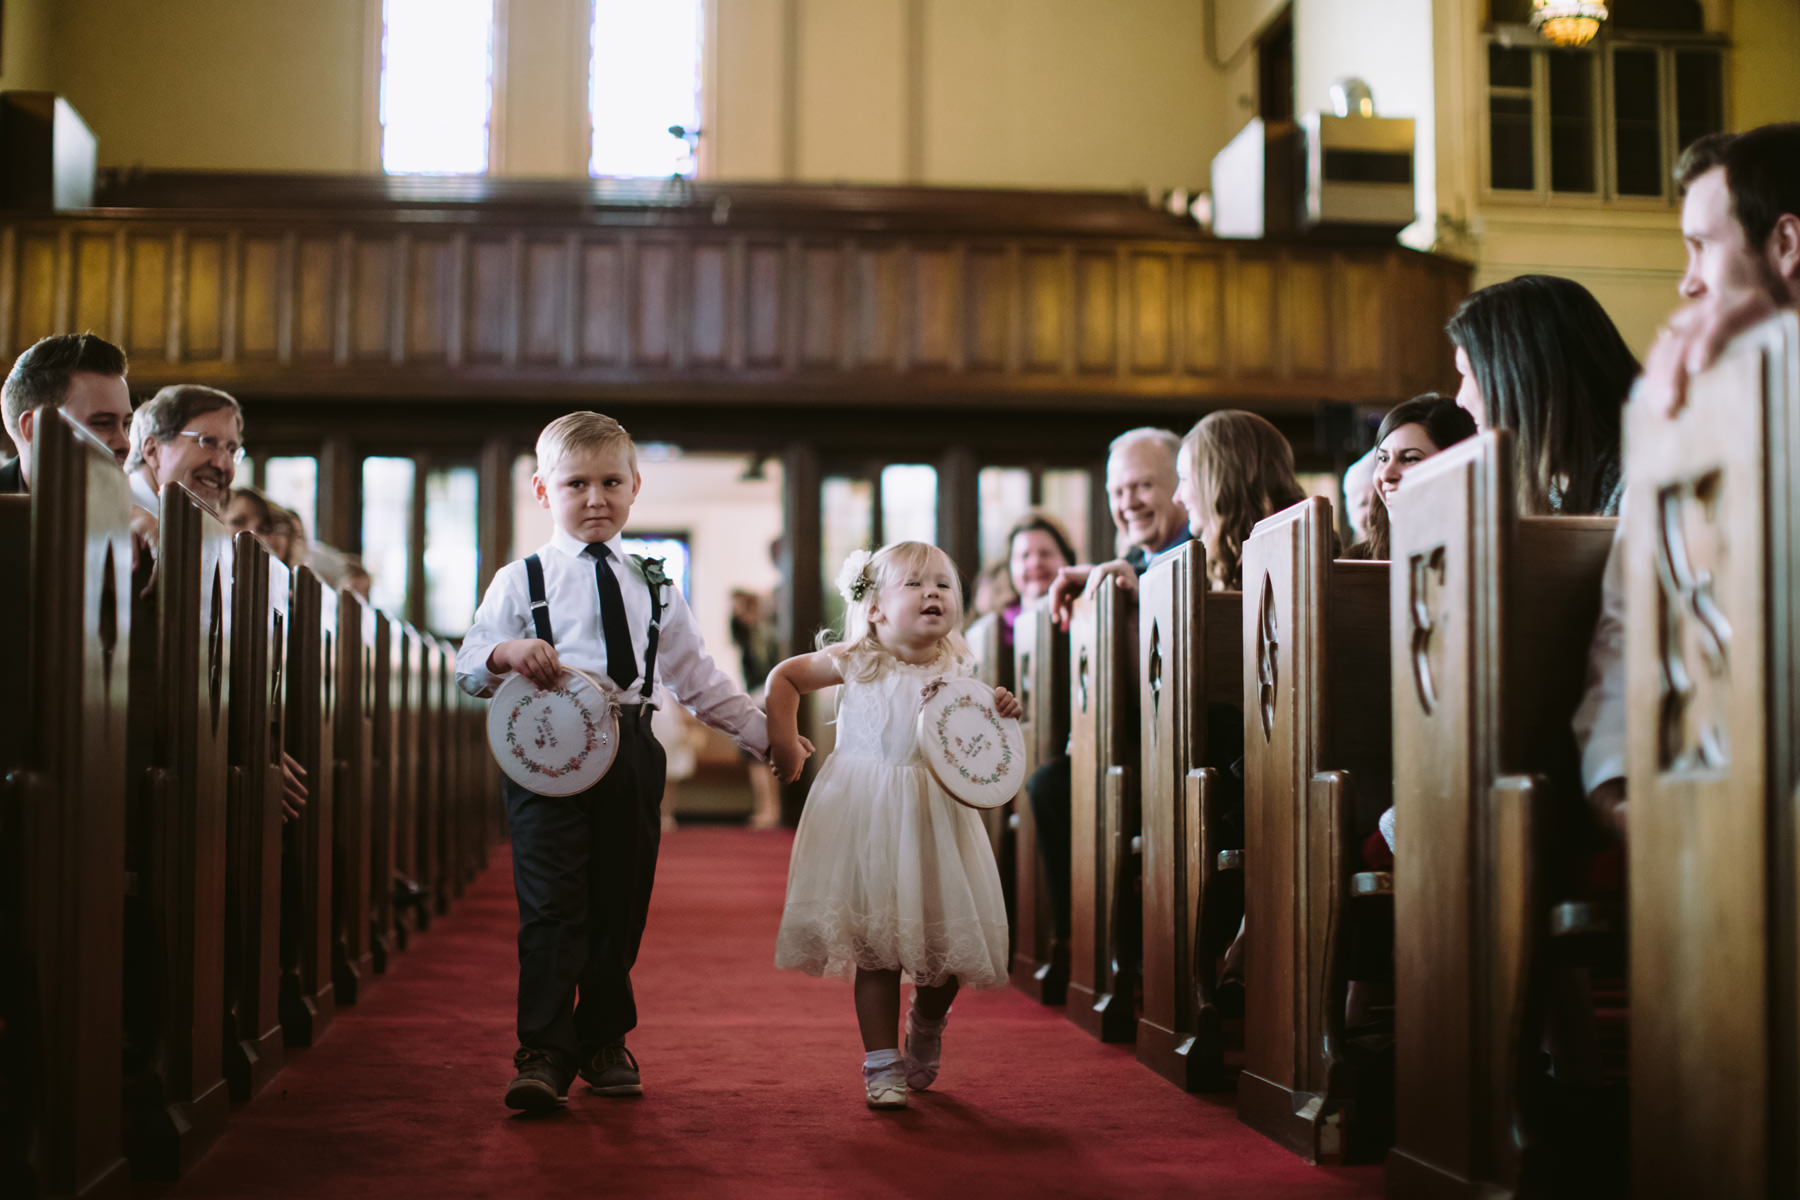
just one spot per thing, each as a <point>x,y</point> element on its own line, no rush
<point>1568,22</point>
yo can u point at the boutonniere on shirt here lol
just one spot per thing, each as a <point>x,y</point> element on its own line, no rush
<point>656,574</point>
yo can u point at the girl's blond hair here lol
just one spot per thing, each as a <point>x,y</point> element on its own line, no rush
<point>860,655</point>
<point>1243,471</point>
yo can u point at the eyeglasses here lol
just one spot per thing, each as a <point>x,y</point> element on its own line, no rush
<point>212,446</point>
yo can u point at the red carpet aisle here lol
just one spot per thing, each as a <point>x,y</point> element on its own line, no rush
<point>751,1078</point>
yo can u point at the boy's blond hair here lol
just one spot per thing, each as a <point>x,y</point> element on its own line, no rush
<point>578,432</point>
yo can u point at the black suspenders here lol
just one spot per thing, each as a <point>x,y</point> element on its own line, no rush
<point>540,616</point>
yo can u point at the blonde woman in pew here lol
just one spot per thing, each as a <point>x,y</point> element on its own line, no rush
<point>889,874</point>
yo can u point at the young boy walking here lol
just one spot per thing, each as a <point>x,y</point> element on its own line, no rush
<point>583,865</point>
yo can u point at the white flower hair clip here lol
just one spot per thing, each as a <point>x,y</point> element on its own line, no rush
<point>853,582</point>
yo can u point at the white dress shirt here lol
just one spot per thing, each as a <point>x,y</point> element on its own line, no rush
<point>1600,721</point>
<point>144,493</point>
<point>572,588</point>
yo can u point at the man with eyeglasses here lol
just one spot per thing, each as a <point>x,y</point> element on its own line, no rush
<point>79,373</point>
<point>186,434</point>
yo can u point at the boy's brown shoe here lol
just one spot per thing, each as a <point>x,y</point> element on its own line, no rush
<point>612,1071</point>
<point>540,1084</point>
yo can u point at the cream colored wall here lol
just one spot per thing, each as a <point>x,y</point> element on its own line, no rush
<point>1765,80</point>
<point>1104,94</point>
<point>215,83</point>
<point>25,46</point>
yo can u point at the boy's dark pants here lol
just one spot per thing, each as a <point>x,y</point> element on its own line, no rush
<point>583,866</point>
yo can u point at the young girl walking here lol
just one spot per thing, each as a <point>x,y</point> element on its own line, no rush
<point>889,875</point>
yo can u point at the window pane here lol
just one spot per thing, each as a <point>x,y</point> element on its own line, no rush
<point>1510,163</point>
<point>643,78</point>
<point>1066,496</point>
<point>1699,95</point>
<point>909,503</point>
<point>1004,496</point>
<point>293,483</point>
<point>437,76</point>
<point>1509,67</point>
<point>1637,122</point>
<point>450,550</point>
<point>1571,122</point>
<point>672,548</point>
<point>387,494</point>
<point>847,511</point>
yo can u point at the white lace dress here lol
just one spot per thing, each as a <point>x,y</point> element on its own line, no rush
<point>888,871</point>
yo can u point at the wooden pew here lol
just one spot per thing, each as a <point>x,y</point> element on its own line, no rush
<point>994,667</point>
<point>62,816</point>
<point>452,810</point>
<point>1106,914</point>
<point>383,768</point>
<point>353,744</point>
<point>1041,667</point>
<point>308,997</point>
<point>180,726</point>
<point>1189,658</point>
<point>1712,655</point>
<point>432,807</point>
<point>1490,617</point>
<point>413,912</point>
<point>1316,770</point>
<point>259,624</point>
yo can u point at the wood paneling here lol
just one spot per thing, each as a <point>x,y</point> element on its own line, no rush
<point>602,307</point>
<point>147,319</point>
<point>422,301</point>
<point>260,291</point>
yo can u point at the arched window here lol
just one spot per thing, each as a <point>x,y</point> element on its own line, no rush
<point>437,86</point>
<point>643,79</point>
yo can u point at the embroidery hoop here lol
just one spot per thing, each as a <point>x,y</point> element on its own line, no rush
<point>558,742</point>
<point>976,754</point>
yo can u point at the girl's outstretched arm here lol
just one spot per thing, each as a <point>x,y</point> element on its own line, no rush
<point>791,679</point>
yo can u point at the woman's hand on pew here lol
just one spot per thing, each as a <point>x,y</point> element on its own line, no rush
<point>293,788</point>
<point>1007,704</point>
<point>143,547</point>
<point>1119,570</point>
<point>533,658</point>
<point>1063,590</point>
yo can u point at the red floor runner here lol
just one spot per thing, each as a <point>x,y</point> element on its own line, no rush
<point>751,1076</point>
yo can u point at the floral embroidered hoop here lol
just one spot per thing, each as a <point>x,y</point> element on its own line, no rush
<point>978,755</point>
<point>554,743</point>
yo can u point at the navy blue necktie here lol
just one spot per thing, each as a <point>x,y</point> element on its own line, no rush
<point>621,660</point>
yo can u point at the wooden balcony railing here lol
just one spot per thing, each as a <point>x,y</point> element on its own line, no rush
<point>298,287</point>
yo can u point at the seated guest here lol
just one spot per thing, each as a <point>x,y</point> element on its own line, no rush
<point>1410,433</point>
<point>1235,468</point>
<point>79,373</point>
<point>1740,218</point>
<point>1140,490</point>
<point>186,434</point>
<point>287,537</point>
<point>1539,356</point>
<point>1037,548</point>
<point>250,509</point>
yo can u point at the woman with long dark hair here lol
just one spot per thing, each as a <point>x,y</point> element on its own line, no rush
<point>1410,433</point>
<point>1539,356</point>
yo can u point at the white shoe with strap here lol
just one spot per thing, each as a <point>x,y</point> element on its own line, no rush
<point>924,1048</point>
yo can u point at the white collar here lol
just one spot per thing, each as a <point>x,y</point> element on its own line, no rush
<point>574,547</point>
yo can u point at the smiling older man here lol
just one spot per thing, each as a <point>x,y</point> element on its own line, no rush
<point>186,434</point>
